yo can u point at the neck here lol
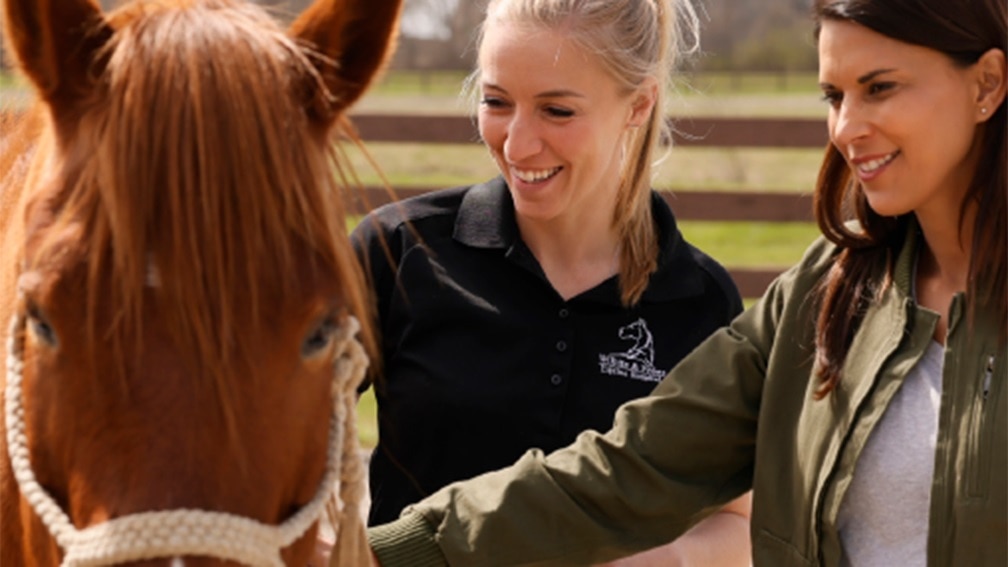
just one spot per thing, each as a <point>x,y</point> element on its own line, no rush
<point>575,254</point>
<point>943,267</point>
<point>947,252</point>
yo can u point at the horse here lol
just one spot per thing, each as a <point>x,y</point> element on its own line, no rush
<point>177,287</point>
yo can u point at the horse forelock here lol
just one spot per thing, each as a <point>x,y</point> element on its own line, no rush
<point>197,156</point>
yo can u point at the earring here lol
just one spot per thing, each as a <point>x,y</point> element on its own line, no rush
<point>983,110</point>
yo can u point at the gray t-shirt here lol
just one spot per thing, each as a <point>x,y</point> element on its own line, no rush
<point>883,518</point>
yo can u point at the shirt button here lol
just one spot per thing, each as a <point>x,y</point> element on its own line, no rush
<point>556,379</point>
<point>564,313</point>
<point>561,346</point>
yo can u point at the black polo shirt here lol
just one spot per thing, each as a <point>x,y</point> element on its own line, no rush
<point>484,360</point>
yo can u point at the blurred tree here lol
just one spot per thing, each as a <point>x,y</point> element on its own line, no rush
<point>439,34</point>
<point>428,19</point>
<point>757,35</point>
<point>736,35</point>
<point>465,24</point>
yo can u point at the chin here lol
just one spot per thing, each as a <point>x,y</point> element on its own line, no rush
<point>533,211</point>
<point>887,207</point>
<point>887,211</point>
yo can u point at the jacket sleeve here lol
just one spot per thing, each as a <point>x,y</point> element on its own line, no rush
<point>671,459</point>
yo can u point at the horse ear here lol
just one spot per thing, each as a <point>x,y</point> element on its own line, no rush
<point>56,43</point>
<point>352,40</point>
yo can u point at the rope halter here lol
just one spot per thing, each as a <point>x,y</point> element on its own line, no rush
<point>164,534</point>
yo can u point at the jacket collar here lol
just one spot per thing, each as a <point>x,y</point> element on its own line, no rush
<point>486,219</point>
<point>903,270</point>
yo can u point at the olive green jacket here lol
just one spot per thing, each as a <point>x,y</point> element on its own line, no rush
<point>738,413</point>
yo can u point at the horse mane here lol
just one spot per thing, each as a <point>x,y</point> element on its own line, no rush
<point>196,156</point>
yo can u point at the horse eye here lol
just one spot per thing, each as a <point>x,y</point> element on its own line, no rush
<point>319,338</point>
<point>40,327</point>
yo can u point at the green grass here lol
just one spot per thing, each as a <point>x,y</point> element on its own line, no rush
<point>405,82</point>
<point>367,422</point>
<point>12,80</point>
<point>739,169</point>
<point>751,244</point>
<point>423,165</point>
<point>717,83</point>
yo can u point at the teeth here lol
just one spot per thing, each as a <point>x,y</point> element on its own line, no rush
<point>873,165</point>
<point>537,175</point>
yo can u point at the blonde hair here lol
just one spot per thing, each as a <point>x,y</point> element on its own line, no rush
<point>635,40</point>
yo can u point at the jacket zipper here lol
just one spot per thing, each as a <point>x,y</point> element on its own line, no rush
<point>988,373</point>
<point>977,446</point>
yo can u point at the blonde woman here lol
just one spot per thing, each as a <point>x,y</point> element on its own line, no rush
<point>519,312</point>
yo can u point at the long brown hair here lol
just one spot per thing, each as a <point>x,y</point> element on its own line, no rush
<point>963,30</point>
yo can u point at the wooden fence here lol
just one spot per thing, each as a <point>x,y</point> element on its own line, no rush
<point>688,204</point>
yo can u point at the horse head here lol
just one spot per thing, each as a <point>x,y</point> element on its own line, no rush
<point>179,283</point>
<point>633,331</point>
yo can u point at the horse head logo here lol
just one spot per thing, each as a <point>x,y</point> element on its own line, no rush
<point>642,350</point>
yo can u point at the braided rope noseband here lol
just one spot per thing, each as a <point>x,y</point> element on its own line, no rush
<point>154,535</point>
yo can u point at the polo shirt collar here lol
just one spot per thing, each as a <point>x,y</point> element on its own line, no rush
<point>486,219</point>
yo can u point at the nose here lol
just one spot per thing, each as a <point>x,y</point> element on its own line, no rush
<point>523,139</point>
<point>848,123</point>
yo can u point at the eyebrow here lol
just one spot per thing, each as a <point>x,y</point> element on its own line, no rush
<point>863,78</point>
<point>869,76</point>
<point>557,93</point>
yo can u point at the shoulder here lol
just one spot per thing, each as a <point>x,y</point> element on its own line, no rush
<point>801,281</point>
<point>409,223</point>
<point>414,211</point>
<point>684,267</point>
<point>716,273</point>
<point>819,255</point>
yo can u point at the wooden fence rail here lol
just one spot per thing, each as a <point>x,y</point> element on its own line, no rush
<point>755,205</point>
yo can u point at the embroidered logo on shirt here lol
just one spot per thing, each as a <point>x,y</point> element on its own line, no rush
<point>637,362</point>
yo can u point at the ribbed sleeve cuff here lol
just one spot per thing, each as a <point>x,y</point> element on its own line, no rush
<point>406,542</point>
